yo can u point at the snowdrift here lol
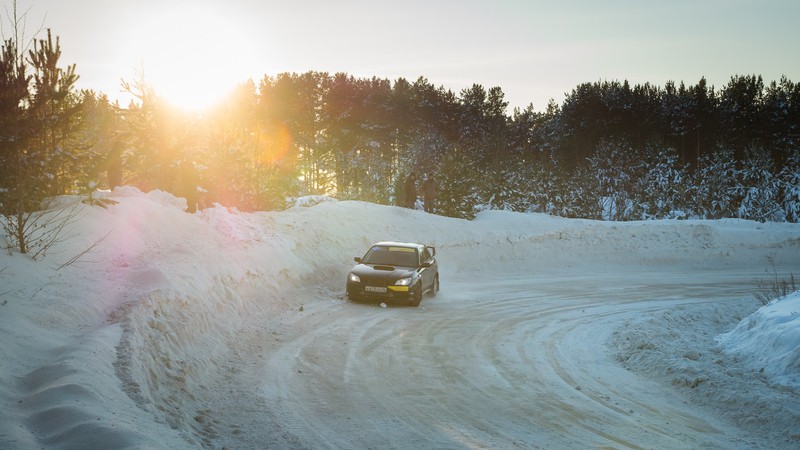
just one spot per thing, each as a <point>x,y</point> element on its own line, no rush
<point>768,341</point>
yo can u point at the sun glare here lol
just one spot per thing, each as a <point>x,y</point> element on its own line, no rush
<point>193,59</point>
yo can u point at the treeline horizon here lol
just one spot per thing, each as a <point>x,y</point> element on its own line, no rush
<point>608,151</point>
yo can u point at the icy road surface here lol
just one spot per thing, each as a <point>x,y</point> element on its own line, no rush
<point>518,361</point>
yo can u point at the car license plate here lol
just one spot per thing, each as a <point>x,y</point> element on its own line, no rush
<point>374,289</point>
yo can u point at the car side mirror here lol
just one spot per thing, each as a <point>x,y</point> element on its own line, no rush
<point>432,250</point>
<point>357,259</point>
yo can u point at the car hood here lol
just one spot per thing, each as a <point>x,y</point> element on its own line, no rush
<point>374,271</point>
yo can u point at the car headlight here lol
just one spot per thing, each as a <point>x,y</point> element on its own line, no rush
<point>403,282</point>
<point>354,278</point>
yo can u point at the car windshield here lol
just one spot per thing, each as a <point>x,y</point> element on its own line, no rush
<point>391,256</point>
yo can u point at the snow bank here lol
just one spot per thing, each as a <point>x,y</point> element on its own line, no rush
<point>58,384</point>
<point>680,347</point>
<point>768,341</point>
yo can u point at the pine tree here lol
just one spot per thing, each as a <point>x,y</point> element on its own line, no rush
<point>782,119</point>
<point>14,134</point>
<point>715,186</point>
<point>39,152</point>
<point>458,191</point>
<point>99,138</point>
<point>741,110</point>
<point>612,179</point>
<point>758,188</point>
<point>54,113</point>
<point>790,186</point>
<point>662,188</point>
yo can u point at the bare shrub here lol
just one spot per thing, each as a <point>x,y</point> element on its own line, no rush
<point>775,286</point>
<point>35,232</point>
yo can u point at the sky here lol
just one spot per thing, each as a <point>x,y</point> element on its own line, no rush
<point>534,50</point>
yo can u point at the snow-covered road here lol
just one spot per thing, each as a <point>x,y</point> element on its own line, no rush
<point>511,361</point>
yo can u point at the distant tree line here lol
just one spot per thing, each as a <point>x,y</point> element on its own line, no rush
<point>608,151</point>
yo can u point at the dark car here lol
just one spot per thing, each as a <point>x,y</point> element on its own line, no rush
<point>394,271</point>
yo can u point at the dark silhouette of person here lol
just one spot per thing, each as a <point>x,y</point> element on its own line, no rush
<point>429,192</point>
<point>400,191</point>
<point>189,182</point>
<point>114,164</point>
<point>411,190</point>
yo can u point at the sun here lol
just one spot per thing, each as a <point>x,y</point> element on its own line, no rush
<point>194,57</point>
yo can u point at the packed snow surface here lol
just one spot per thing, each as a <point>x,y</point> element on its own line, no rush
<point>154,328</point>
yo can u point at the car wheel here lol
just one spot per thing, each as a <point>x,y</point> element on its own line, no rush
<point>416,296</point>
<point>435,287</point>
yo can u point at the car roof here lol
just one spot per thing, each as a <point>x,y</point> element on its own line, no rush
<point>400,244</point>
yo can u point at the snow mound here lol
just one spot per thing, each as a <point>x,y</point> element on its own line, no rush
<point>768,341</point>
<point>679,347</point>
<point>311,200</point>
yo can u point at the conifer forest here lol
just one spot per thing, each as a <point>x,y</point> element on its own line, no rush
<point>608,150</point>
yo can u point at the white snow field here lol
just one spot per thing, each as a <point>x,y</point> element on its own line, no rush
<point>223,329</point>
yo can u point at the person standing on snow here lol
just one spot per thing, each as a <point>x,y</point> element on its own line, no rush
<point>429,192</point>
<point>189,179</point>
<point>400,191</point>
<point>411,190</point>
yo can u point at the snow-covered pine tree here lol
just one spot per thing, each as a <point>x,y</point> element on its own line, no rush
<point>758,188</point>
<point>790,186</point>
<point>511,188</point>
<point>458,190</point>
<point>662,187</point>
<point>715,186</point>
<point>611,180</point>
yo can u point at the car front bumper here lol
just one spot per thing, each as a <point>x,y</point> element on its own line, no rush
<point>366,292</point>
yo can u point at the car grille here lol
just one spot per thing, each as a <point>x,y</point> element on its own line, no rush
<point>366,281</point>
